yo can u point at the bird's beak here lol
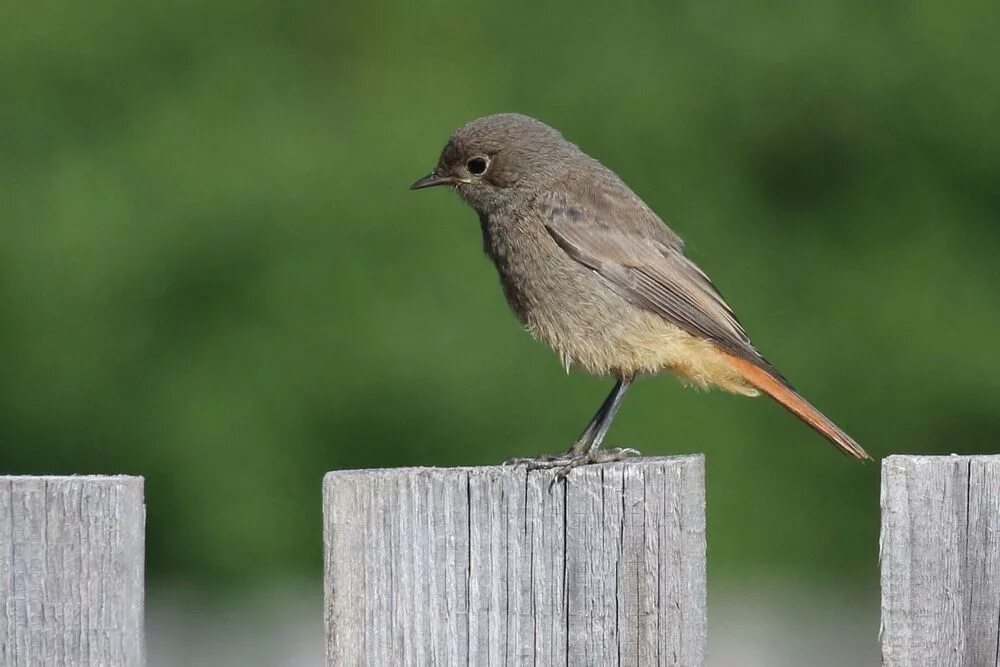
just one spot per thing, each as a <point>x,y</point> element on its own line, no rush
<point>432,179</point>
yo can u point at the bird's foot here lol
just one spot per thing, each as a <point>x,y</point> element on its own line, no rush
<point>567,461</point>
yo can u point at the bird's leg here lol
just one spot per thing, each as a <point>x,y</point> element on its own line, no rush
<point>607,415</point>
<point>582,444</point>
<point>587,448</point>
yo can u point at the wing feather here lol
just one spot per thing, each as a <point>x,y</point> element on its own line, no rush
<point>645,262</point>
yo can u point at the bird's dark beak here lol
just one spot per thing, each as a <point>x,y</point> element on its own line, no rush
<point>432,179</point>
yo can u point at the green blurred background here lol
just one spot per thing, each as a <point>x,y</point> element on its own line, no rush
<point>212,273</point>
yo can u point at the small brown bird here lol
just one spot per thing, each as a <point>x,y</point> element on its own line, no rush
<point>589,269</point>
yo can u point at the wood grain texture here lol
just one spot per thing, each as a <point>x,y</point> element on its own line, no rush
<point>940,559</point>
<point>71,571</point>
<point>487,566</point>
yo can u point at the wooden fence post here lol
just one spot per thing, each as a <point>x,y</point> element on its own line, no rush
<point>71,571</point>
<point>940,558</point>
<point>430,566</point>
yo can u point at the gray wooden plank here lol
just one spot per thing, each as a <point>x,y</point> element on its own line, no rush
<point>491,566</point>
<point>71,571</point>
<point>940,558</point>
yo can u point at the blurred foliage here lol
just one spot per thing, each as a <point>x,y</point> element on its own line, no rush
<point>212,273</point>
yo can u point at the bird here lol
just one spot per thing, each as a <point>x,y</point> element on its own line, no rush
<point>588,268</point>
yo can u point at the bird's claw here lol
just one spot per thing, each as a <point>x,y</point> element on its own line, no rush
<point>567,461</point>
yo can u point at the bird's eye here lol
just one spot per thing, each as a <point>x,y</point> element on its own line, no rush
<point>477,166</point>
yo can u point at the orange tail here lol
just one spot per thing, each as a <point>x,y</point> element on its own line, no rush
<point>798,406</point>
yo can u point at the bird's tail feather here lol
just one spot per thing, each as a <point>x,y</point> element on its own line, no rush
<point>788,398</point>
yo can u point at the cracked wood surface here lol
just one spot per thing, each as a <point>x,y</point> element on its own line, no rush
<point>940,559</point>
<point>71,571</point>
<point>487,566</point>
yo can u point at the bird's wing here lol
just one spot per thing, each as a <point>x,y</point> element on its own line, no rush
<point>621,239</point>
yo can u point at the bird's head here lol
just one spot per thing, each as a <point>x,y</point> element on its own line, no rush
<point>497,159</point>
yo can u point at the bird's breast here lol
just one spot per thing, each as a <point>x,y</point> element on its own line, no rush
<point>536,276</point>
<point>561,302</point>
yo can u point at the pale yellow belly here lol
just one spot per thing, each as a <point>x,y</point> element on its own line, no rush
<point>643,344</point>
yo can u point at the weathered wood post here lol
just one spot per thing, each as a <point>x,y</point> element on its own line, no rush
<point>71,571</point>
<point>940,558</point>
<point>430,566</point>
